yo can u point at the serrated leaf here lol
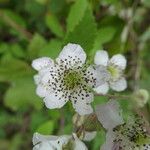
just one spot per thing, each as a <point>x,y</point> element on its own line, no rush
<point>21,94</point>
<point>54,25</point>
<point>76,14</point>
<point>46,128</point>
<point>36,44</point>
<point>84,33</point>
<point>51,49</point>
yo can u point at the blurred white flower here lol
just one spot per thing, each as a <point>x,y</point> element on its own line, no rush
<point>89,135</point>
<point>140,98</point>
<point>109,114</point>
<point>115,68</point>
<point>122,136</point>
<point>67,78</point>
<point>42,142</point>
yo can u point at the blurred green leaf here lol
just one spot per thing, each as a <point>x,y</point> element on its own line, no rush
<point>43,2</point>
<point>46,128</point>
<point>11,68</point>
<point>54,25</point>
<point>51,49</point>
<point>9,15</point>
<point>4,47</point>
<point>36,44</point>
<point>21,94</point>
<point>17,51</point>
<point>76,14</point>
<point>37,118</point>
<point>103,36</point>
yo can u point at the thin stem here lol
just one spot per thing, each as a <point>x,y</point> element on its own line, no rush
<point>110,96</point>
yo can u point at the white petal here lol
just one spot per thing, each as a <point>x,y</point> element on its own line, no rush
<point>71,54</point>
<point>41,138</point>
<point>78,144</point>
<point>37,79</point>
<point>108,145</point>
<point>119,60</point>
<point>53,100</point>
<point>81,100</point>
<point>102,89</point>
<point>88,136</point>
<point>82,107</point>
<point>43,146</point>
<point>41,90</point>
<point>60,142</point>
<point>109,114</point>
<point>49,142</point>
<point>119,85</point>
<point>41,63</point>
<point>101,58</point>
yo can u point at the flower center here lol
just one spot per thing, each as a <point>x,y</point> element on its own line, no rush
<point>114,71</point>
<point>72,79</point>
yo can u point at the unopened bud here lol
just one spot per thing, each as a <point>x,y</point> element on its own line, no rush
<point>141,97</point>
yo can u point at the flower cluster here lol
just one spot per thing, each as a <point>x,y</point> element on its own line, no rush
<point>130,135</point>
<point>64,142</point>
<point>70,77</point>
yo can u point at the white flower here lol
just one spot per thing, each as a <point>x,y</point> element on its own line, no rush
<point>122,136</point>
<point>67,78</point>
<point>42,142</point>
<point>115,67</point>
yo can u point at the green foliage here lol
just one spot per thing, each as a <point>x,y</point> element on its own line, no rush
<point>46,128</point>
<point>22,94</point>
<point>84,33</point>
<point>74,18</point>
<point>54,25</point>
<point>35,28</point>
<point>35,45</point>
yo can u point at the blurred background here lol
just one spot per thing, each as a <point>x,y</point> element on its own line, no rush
<point>34,28</point>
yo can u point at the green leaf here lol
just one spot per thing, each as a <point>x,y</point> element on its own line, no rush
<point>15,17</point>
<point>46,128</point>
<point>17,51</point>
<point>37,118</point>
<point>84,33</point>
<point>103,36</point>
<point>11,69</point>
<point>21,94</point>
<point>76,14</point>
<point>54,25</point>
<point>37,43</point>
<point>4,47</point>
<point>52,49</point>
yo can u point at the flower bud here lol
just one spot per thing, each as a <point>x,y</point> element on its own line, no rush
<point>141,97</point>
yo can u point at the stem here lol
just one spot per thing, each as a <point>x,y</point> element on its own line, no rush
<point>110,96</point>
